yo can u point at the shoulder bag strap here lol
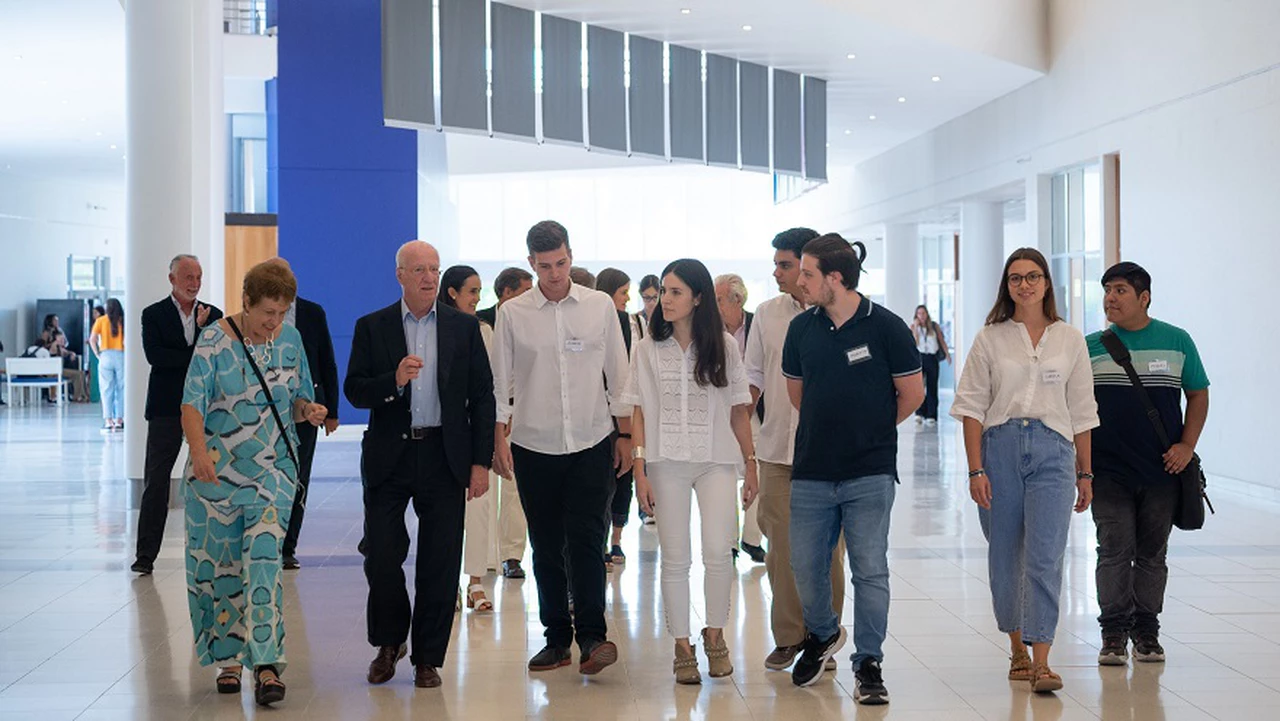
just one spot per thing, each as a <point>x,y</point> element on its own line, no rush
<point>271,402</point>
<point>1120,354</point>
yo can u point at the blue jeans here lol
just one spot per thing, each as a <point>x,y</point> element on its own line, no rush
<point>111,380</point>
<point>820,511</point>
<point>1032,474</point>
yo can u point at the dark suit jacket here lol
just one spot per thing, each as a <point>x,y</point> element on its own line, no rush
<point>747,324</point>
<point>169,355</point>
<point>489,315</point>
<point>467,408</point>
<point>313,326</point>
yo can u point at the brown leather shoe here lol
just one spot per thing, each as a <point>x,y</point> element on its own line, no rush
<point>601,655</point>
<point>426,677</point>
<point>383,667</point>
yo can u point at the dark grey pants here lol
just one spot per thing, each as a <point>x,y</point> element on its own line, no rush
<point>1134,519</point>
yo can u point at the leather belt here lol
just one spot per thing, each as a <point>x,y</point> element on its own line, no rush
<point>421,433</point>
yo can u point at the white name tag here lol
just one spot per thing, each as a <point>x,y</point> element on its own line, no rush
<point>1051,376</point>
<point>573,345</point>
<point>1158,366</point>
<point>857,355</point>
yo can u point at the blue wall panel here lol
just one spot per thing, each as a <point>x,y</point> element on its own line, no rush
<point>346,185</point>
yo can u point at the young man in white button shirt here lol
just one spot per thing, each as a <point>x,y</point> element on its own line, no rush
<point>553,351</point>
<point>776,447</point>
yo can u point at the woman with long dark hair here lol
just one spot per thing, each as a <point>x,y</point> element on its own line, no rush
<point>933,350</point>
<point>693,407</point>
<point>106,339</point>
<point>1026,401</point>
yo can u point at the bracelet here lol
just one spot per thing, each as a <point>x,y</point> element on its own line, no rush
<point>1082,476</point>
<point>625,435</point>
<point>977,473</point>
<point>637,453</point>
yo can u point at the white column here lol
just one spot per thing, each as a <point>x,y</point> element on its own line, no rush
<point>902,268</point>
<point>209,149</point>
<point>1039,214</point>
<point>164,198</point>
<point>981,263</point>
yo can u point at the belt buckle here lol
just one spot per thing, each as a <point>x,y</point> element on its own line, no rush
<point>418,433</point>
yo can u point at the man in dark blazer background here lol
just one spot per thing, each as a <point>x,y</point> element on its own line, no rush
<point>510,283</point>
<point>422,370</point>
<point>170,327</point>
<point>312,324</point>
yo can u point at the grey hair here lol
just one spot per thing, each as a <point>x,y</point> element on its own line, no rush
<point>737,288</point>
<point>173,264</point>
<point>401,251</point>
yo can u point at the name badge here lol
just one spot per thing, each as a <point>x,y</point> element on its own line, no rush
<point>1158,366</point>
<point>573,345</point>
<point>1051,376</point>
<point>859,354</point>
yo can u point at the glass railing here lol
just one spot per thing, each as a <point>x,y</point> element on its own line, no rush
<point>245,17</point>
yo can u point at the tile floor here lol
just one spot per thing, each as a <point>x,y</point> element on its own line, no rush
<point>82,638</point>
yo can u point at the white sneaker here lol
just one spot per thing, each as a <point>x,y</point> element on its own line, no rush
<point>919,420</point>
<point>930,422</point>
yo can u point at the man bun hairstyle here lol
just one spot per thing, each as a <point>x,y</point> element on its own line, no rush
<point>834,254</point>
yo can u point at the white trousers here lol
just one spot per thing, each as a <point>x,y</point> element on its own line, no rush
<point>495,528</point>
<point>716,485</point>
<point>750,525</point>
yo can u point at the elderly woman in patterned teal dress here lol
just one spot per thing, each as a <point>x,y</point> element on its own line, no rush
<point>241,480</point>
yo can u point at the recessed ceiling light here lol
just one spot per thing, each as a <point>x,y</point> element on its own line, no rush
<point>848,132</point>
<point>113,146</point>
<point>124,157</point>
<point>84,120</point>
<point>98,134</point>
<point>851,56</point>
<point>937,78</point>
<point>17,57</point>
<point>828,145</point>
<point>746,28</point>
<point>871,117</point>
<point>902,99</point>
<point>64,102</point>
<point>685,11</point>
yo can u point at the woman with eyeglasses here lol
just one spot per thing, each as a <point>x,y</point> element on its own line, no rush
<point>1026,401</point>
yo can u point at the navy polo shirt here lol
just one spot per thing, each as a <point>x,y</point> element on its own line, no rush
<point>849,406</point>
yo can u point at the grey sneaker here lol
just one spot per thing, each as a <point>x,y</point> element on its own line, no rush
<point>1147,648</point>
<point>869,688</point>
<point>1115,651</point>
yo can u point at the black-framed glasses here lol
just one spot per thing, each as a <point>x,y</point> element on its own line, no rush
<point>1033,278</point>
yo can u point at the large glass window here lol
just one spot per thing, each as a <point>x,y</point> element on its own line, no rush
<point>938,289</point>
<point>1077,249</point>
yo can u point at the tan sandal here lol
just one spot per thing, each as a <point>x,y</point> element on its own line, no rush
<point>1043,680</point>
<point>1020,667</point>
<point>477,601</point>
<point>686,667</point>
<point>717,656</point>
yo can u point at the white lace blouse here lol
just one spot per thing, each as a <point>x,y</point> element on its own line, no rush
<point>684,421</point>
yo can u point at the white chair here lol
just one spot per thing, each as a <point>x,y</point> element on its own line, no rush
<point>25,373</point>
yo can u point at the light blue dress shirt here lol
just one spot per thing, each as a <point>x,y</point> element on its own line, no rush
<point>424,391</point>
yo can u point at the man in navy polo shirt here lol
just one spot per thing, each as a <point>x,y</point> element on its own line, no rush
<point>854,373</point>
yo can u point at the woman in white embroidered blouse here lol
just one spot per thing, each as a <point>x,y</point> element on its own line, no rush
<point>1025,395</point>
<point>693,408</point>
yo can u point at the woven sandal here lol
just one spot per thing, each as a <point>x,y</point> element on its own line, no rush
<point>1043,680</point>
<point>1020,667</point>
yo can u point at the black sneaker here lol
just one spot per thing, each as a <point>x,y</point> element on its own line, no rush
<point>869,689</point>
<point>142,567</point>
<point>1146,647</point>
<point>755,552</point>
<point>289,562</point>
<point>1115,650</point>
<point>550,658</point>
<point>810,665</point>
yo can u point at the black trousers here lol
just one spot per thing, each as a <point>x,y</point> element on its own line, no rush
<point>307,434</point>
<point>1134,521</point>
<point>423,478</point>
<point>565,499</point>
<point>930,363</point>
<point>164,441</point>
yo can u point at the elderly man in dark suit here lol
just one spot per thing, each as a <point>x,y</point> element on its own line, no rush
<point>312,324</point>
<point>169,330</point>
<point>423,371</point>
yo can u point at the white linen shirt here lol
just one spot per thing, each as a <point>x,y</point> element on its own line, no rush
<point>684,421</point>
<point>554,360</point>
<point>764,371</point>
<point>1005,377</point>
<point>188,321</point>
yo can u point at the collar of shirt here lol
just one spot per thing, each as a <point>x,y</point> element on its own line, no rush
<point>408,315</point>
<point>540,300</point>
<point>182,314</point>
<point>863,311</point>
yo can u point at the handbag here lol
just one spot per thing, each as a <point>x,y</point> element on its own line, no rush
<point>1189,516</point>
<point>267,392</point>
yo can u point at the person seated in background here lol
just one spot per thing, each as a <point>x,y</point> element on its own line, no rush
<point>56,342</point>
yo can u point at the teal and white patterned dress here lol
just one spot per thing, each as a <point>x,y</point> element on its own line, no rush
<point>235,527</point>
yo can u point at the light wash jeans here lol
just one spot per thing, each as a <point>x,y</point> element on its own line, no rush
<point>111,380</point>
<point>1032,473</point>
<point>860,508</point>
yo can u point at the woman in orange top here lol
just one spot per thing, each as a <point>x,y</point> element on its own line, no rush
<point>107,341</point>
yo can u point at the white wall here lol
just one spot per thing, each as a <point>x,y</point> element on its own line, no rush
<point>1188,93</point>
<point>41,223</point>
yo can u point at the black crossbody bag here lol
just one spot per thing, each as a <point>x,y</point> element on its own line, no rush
<point>266,390</point>
<point>1189,515</point>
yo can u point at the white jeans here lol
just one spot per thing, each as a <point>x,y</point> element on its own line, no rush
<point>750,525</point>
<point>495,528</point>
<point>716,485</point>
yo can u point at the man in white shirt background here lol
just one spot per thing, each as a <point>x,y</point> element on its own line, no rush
<point>554,350</point>
<point>775,448</point>
<point>731,298</point>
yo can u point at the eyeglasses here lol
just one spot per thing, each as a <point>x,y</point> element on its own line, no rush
<point>1032,279</point>
<point>649,298</point>
<point>420,269</point>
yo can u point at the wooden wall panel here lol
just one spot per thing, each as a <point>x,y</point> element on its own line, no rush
<point>246,246</point>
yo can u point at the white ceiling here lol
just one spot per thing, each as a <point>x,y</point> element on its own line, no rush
<point>63,100</point>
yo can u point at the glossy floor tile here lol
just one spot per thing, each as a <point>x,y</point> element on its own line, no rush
<point>83,638</point>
